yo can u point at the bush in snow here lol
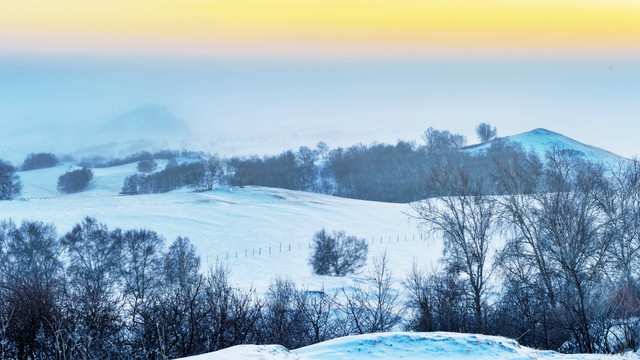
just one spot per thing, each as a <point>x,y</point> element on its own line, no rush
<point>75,181</point>
<point>337,254</point>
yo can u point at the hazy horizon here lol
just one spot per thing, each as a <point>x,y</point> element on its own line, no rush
<point>259,107</point>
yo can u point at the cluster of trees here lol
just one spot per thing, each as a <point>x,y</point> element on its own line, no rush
<point>289,170</point>
<point>567,277</point>
<point>39,161</point>
<point>201,175</point>
<point>101,162</point>
<point>380,172</point>
<point>75,180</point>
<point>100,293</point>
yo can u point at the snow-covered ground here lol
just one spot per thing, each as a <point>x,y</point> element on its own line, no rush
<point>260,233</point>
<point>402,345</point>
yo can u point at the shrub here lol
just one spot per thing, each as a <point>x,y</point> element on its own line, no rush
<point>337,254</point>
<point>146,166</point>
<point>39,161</point>
<point>75,181</point>
<point>10,185</point>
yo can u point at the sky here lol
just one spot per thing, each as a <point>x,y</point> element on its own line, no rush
<point>258,76</point>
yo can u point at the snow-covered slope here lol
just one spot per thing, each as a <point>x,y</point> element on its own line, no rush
<point>542,140</point>
<point>260,233</point>
<point>401,345</point>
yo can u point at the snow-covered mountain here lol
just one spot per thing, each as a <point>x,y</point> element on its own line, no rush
<point>401,345</point>
<point>542,140</point>
<point>146,122</point>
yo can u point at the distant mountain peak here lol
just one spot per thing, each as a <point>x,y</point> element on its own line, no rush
<point>146,121</point>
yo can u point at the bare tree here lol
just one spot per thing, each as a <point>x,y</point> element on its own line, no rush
<point>465,220</point>
<point>436,301</point>
<point>318,309</point>
<point>141,274</point>
<point>283,321</point>
<point>231,314</point>
<point>557,244</point>
<point>374,307</point>
<point>179,310</point>
<point>31,288</point>
<point>93,254</point>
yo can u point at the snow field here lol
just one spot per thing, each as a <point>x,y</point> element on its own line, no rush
<point>403,345</point>
<point>229,220</point>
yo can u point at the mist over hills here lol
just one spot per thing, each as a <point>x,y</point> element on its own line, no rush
<point>145,128</point>
<point>145,122</point>
<point>153,127</point>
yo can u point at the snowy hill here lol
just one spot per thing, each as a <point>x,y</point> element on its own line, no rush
<point>542,140</point>
<point>260,233</point>
<point>400,345</point>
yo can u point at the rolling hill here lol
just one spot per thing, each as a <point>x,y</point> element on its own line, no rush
<point>541,140</point>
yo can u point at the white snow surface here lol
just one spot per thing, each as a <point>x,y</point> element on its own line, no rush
<point>402,345</point>
<point>542,140</point>
<point>269,229</point>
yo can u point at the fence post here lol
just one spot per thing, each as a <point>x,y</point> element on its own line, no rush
<point>289,247</point>
<point>269,249</point>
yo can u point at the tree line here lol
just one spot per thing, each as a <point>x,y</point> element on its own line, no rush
<point>379,172</point>
<point>100,293</point>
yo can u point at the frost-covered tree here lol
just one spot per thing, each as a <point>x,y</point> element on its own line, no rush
<point>10,185</point>
<point>94,255</point>
<point>31,289</point>
<point>180,311</point>
<point>337,254</point>
<point>442,140</point>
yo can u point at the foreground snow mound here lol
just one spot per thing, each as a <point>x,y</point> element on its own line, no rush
<point>405,345</point>
<point>402,345</point>
<point>249,352</point>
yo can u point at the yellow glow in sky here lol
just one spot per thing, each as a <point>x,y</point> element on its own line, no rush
<point>522,24</point>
